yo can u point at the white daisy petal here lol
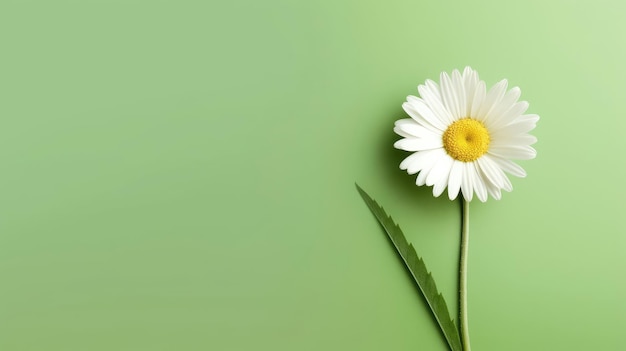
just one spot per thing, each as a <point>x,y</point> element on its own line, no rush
<point>479,183</point>
<point>517,128</point>
<point>441,170</point>
<point>432,96</point>
<point>457,83</point>
<point>509,99</point>
<point>530,117</point>
<point>423,160</point>
<point>401,124</point>
<point>419,161</point>
<point>455,179</point>
<point>491,100</point>
<point>401,133</point>
<point>434,89</point>
<point>470,81</point>
<point>494,191</point>
<point>521,139</point>
<point>404,121</point>
<point>418,108</point>
<point>491,171</point>
<point>416,130</point>
<point>509,166</point>
<point>411,98</point>
<point>443,173</point>
<point>467,71</point>
<point>450,99</point>
<point>410,110</point>
<point>409,160</point>
<point>418,118</point>
<point>507,185</point>
<point>428,166</point>
<point>421,177</point>
<point>479,97</point>
<point>510,115</point>
<point>418,144</point>
<point>515,152</point>
<point>467,184</point>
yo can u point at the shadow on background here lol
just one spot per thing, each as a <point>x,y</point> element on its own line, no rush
<point>403,186</point>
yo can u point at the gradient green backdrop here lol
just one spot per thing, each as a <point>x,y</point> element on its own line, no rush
<point>179,175</point>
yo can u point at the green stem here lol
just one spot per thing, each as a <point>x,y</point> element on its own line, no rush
<point>465,340</point>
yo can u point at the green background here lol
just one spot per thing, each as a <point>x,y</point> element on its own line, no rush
<point>179,175</point>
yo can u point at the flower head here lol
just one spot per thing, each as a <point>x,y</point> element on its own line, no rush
<point>465,138</point>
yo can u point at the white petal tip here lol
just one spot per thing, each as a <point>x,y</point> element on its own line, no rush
<point>437,192</point>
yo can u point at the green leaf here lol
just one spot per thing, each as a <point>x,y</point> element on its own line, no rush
<point>418,270</point>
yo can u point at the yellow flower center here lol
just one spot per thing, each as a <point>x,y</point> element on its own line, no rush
<point>466,140</point>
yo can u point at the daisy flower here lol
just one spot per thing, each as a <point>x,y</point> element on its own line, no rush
<point>465,138</point>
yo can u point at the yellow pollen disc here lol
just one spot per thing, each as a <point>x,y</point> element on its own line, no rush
<point>466,140</point>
